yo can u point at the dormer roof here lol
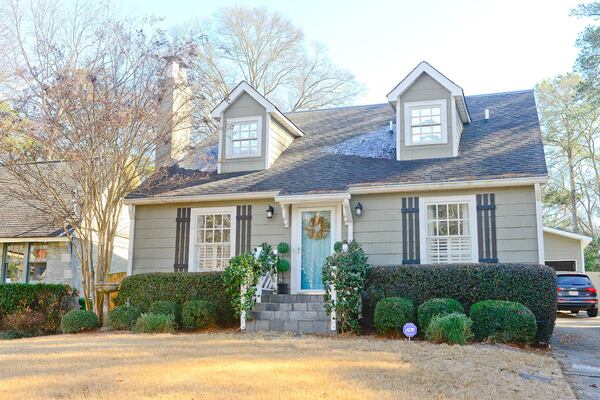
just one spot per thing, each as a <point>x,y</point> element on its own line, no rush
<point>245,87</point>
<point>426,68</point>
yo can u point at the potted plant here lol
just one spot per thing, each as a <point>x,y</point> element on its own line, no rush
<point>283,265</point>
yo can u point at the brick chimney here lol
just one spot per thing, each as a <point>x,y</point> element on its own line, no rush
<point>176,109</point>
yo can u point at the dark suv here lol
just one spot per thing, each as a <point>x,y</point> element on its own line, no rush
<point>576,293</point>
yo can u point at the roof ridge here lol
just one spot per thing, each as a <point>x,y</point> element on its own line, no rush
<point>500,93</point>
<point>336,108</point>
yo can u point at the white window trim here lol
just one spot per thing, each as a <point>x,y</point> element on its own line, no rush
<point>424,201</point>
<point>429,103</point>
<point>228,147</point>
<point>195,212</point>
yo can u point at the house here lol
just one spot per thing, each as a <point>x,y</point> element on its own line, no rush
<point>36,249</point>
<point>429,176</point>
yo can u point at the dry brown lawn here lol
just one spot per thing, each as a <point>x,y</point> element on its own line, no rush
<point>236,366</point>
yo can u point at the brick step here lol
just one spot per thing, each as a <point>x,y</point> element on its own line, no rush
<point>292,325</point>
<point>292,298</point>
<point>289,307</point>
<point>290,315</point>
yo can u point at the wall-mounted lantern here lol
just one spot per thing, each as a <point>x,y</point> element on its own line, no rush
<point>270,211</point>
<point>358,209</point>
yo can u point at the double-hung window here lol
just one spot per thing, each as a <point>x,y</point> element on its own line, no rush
<point>243,137</point>
<point>449,233</point>
<point>212,238</point>
<point>425,123</point>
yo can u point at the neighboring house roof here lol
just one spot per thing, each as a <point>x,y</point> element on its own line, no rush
<point>19,220</point>
<point>347,147</point>
<point>571,235</point>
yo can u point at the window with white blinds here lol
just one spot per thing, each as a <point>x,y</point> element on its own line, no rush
<point>448,238</point>
<point>213,239</point>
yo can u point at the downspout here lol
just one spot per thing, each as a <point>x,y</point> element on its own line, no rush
<point>131,209</point>
<point>538,219</point>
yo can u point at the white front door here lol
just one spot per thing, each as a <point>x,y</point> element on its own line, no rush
<point>316,230</point>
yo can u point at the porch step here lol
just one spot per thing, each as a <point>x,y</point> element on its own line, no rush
<point>290,313</point>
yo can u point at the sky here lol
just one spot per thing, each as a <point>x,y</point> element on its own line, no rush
<point>484,46</point>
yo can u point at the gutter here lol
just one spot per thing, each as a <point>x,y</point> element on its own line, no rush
<point>52,239</point>
<point>203,197</point>
<point>486,183</point>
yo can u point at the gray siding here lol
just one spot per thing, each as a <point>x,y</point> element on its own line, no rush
<point>379,229</point>
<point>425,88</point>
<point>154,240</point>
<point>244,106</point>
<point>279,140</point>
<point>560,248</point>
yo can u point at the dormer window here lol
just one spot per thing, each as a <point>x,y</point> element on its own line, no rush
<point>425,122</point>
<point>243,137</point>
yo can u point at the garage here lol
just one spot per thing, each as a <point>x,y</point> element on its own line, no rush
<point>563,250</point>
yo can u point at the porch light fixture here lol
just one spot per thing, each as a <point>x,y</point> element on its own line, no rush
<point>270,211</point>
<point>358,209</point>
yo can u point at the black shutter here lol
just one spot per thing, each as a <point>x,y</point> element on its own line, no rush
<point>182,240</point>
<point>410,231</point>
<point>243,229</point>
<point>486,228</point>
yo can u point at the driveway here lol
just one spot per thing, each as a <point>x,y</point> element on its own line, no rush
<point>576,344</point>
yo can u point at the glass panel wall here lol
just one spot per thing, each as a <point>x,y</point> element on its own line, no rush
<point>38,262</point>
<point>14,270</point>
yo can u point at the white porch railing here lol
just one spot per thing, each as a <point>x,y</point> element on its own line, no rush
<point>265,282</point>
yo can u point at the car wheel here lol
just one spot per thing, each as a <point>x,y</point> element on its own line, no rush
<point>593,312</point>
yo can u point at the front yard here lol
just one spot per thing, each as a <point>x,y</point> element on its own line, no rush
<point>235,366</point>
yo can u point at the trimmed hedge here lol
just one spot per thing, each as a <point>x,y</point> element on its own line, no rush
<point>434,307</point>
<point>144,289</point>
<point>531,285</point>
<point>503,321</point>
<point>454,328</point>
<point>19,301</point>
<point>155,323</point>
<point>78,321</point>
<point>123,318</point>
<point>198,314</point>
<point>166,307</point>
<point>392,313</point>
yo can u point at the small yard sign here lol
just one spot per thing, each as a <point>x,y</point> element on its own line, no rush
<point>409,330</point>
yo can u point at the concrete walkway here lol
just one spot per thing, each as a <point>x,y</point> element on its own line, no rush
<point>576,344</point>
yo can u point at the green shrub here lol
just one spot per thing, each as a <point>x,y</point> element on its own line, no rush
<point>454,328</point>
<point>19,301</point>
<point>166,307</point>
<point>242,270</point>
<point>78,321</point>
<point>345,271</point>
<point>531,285</point>
<point>155,323</point>
<point>503,321</point>
<point>14,334</point>
<point>198,314</point>
<point>144,289</point>
<point>392,313</point>
<point>283,248</point>
<point>283,265</point>
<point>435,307</point>
<point>123,318</point>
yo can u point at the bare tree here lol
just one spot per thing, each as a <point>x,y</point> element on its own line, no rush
<point>268,51</point>
<point>86,116</point>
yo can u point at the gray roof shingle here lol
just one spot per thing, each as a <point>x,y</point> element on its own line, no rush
<point>509,145</point>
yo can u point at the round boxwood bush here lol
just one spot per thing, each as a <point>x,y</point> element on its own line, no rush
<point>78,321</point>
<point>434,307</point>
<point>198,314</point>
<point>454,328</point>
<point>503,321</point>
<point>392,313</point>
<point>283,265</point>
<point>166,307</point>
<point>283,248</point>
<point>155,323</point>
<point>123,318</point>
